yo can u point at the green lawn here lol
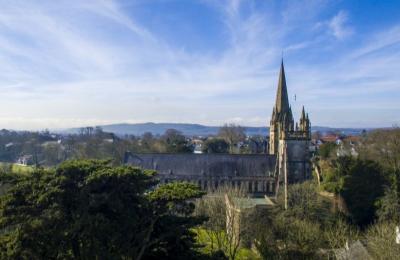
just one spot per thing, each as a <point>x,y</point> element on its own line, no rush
<point>21,169</point>
<point>18,168</point>
<point>243,254</point>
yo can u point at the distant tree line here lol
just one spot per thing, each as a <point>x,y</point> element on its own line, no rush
<point>50,149</point>
<point>47,149</point>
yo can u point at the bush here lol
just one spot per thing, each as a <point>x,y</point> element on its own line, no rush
<point>381,241</point>
<point>362,188</point>
<point>327,150</point>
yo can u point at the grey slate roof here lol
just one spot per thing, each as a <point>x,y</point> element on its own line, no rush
<point>215,165</point>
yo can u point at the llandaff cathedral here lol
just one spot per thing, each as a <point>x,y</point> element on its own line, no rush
<point>288,156</point>
<point>289,141</point>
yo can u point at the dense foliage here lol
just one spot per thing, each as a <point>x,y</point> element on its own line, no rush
<point>361,183</point>
<point>233,135</point>
<point>327,150</point>
<point>361,189</point>
<point>215,145</point>
<point>91,210</point>
<point>175,142</point>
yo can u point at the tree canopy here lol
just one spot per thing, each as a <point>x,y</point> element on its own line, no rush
<point>232,134</point>
<point>215,145</point>
<point>91,210</point>
<point>175,142</point>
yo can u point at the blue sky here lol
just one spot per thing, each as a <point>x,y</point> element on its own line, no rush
<point>75,63</point>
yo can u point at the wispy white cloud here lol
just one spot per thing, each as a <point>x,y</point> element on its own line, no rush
<point>95,62</point>
<point>111,10</point>
<point>379,41</point>
<point>338,25</point>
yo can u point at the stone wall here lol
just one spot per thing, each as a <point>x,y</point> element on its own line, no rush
<point>298,159</point>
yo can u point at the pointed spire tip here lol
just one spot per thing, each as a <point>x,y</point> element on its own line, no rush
<point>282,101</point>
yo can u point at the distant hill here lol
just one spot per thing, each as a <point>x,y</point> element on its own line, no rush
<point>196,129</point>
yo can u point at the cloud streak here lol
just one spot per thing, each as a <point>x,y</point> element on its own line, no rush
<point>80,63</point>
<point>338,25</point>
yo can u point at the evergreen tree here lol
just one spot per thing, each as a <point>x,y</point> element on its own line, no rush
<point>91,210</point>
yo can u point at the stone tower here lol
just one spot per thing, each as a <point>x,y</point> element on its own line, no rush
<point>282,118</point>
<point>287,140</point>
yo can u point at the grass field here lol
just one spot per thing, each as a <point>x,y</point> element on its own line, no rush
<point>8,170</point>
<point>16,168</point>
<point>243,254</point>
<point>21,169</point>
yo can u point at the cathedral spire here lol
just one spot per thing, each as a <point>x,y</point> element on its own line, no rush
<point>303,114</point>
<point>282,100</point>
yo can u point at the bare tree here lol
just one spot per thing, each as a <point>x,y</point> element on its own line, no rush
<point>224,226</point>
<point>383,145</point>
<point>233,135</point>
<point>338,234</point>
